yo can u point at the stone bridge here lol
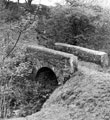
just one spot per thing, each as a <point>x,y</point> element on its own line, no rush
<point>60,64</point>
<point>51,63</point>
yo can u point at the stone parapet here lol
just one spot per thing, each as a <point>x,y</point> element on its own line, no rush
<point>61,63</point>
<point>85,54</point>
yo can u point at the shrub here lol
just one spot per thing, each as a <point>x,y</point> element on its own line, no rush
<point>18,91</point>
<point>65,24</point>
<point>11,12</point>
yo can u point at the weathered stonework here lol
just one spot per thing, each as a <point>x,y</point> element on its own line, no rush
<point>85,54</point>
<point>62,64</point>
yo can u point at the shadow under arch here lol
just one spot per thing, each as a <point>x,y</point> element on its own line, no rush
<point>47,78</point>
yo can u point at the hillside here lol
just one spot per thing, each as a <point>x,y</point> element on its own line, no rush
<point>86,96</point>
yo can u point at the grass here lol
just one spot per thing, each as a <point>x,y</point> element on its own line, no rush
<point>85,96</point>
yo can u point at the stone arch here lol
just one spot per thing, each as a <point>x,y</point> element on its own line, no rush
<point>46,77</point>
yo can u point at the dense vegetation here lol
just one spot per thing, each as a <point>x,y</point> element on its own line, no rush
<point>74,23</point>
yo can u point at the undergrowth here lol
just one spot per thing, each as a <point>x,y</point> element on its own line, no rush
<point>18,90</point>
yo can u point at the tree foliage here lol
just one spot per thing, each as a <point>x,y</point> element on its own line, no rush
<point>67,24</point>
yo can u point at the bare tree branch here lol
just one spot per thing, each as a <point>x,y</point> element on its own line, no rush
<point>13,46</point>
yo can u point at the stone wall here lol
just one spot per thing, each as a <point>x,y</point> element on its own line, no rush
<point>85,54</point>
<point>62,64</point>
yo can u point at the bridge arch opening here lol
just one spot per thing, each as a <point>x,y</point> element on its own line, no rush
<point>47,78</point>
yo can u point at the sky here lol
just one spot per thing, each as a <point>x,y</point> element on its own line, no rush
<point>45,2</point>
<point>103,3</point>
